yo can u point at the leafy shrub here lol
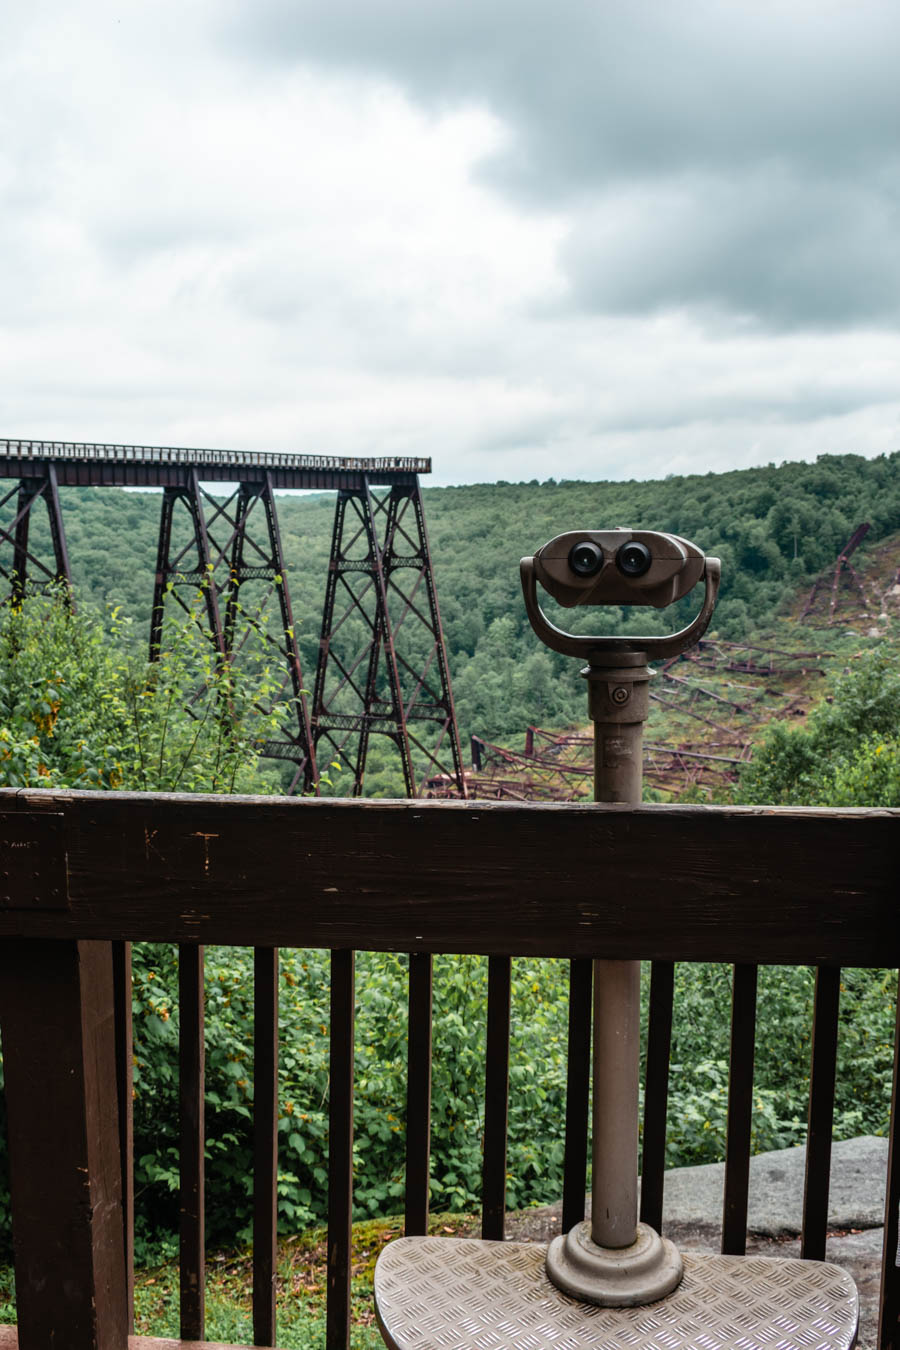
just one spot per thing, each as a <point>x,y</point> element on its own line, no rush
<point>847,755</point>
<point>77,710</point>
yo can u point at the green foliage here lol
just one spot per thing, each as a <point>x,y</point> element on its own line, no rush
<point>63,721</point>
<point>537,1087</point>
<point>847,755</point>
<point>698,1092</point>
<point>79,710</point>
<point>773,527</point>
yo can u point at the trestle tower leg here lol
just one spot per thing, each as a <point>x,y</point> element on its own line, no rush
<point>382,665</point>
<point>34,564</point>
<point>231,550</point>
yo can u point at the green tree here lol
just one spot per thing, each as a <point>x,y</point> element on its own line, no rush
<point>79,710</point>
<point>847,755</point>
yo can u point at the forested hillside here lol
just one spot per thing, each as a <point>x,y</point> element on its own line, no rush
<point>774,528</point>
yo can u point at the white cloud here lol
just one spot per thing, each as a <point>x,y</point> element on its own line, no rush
<point>323,244</point>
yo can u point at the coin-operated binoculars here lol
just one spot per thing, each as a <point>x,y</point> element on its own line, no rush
<point>613,1260</point>
<point>592,1286</point>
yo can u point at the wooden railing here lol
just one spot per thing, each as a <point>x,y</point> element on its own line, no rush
<point>83,875</point>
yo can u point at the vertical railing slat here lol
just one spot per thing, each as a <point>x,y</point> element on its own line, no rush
<point>121,955</point>
<point>340,1150</point>
<point>496,1099</point>
<point>265,1142</point>
<point>578,1089</point>
<point>59,1061</point>
<point>418,1094</point>
<point>656,1092</point>
<point>821,1112</point>
<point>889,1305</point>
<point>740,1107</point>
<point>192,1059</point>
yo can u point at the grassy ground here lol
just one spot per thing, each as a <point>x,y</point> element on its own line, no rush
<point>301,1289</point>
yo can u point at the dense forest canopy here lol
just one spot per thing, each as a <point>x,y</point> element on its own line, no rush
<point>773,528</point>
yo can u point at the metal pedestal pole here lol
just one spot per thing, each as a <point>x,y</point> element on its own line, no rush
<point>614,1260</point>
<point>613,1283</point>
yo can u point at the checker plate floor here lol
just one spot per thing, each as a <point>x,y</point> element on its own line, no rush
<point>436,1293</point>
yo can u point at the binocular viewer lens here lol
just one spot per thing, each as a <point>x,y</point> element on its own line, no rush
<point>586,558</point>
<point>632,559</point>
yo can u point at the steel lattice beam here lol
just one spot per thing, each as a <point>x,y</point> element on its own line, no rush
<point>228,544</point>
<point>28,566</point>
<point>382,658</point>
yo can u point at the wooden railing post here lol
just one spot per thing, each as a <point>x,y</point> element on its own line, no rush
<point>56,1005</point>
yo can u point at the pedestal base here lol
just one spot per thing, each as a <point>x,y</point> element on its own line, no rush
<point>623,1277</point>
<point>456,1294</point>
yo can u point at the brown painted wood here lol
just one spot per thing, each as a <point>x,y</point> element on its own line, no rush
<point>265,1142</point>
<point>59,1057</point>
<point>889,1307</point>
<point>740,1107</point>
<point>122,1012</point>
<point>763,884</point>
<point>418,1095</point>
<point>496,1099</point>
<point>578,1088</point>
<point>656,1092</point>
<point>823,1063</point>
<point>340,1150</point>
<point>192,1062</point>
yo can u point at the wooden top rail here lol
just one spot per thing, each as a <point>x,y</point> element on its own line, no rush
<point>773,885</point>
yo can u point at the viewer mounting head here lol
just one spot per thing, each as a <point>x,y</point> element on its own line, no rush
<point>618,567</point>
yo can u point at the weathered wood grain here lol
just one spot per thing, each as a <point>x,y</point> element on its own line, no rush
<point>822,1074</point>
<point>192,1149</point>
<point>56,1004</point>
<point>122,1013</point>
<point>656,1092</point>
<point>265,1142</point>
<point>340,1150</point>
<point>740,1110</point>
<point>496,1098</point>
<point>889,1310</point>
<point>418,1095</point>
<point>578,1091</point>
<point>690,883</point>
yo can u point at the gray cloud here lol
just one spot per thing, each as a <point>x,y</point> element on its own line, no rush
<point>594,91</point>
<point>793,251</point>
<point>737,158</point>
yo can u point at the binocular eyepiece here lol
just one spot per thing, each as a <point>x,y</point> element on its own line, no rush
<point>618,567</point>
<point>632,559</point>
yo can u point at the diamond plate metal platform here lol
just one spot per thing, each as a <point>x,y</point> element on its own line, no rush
<point>465,1294</point>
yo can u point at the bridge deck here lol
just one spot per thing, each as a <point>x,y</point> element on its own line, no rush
<point>81,464</point>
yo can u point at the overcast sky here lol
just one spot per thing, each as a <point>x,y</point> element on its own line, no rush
<point>530,239</point>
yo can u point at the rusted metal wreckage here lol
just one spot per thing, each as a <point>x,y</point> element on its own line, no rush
<point>842,576</point>
<point>556,765</point>
<point>373,676</point>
